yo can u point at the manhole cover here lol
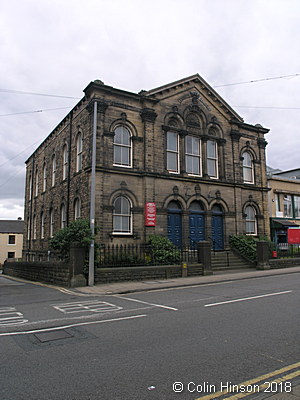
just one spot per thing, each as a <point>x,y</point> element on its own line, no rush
<point>53,335</point>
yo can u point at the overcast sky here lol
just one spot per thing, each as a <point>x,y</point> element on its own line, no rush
<point>58,47</point>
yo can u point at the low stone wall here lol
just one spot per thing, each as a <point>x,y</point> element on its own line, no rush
<point>106,275</point>
<point>284,262</point>
<point>55,273</point>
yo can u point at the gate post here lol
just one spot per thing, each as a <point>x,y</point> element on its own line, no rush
<point>76,264</point>
<point>262,254</point>
<point>204,257</point>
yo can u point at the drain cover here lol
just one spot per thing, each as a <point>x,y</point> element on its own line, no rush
<point>53,335</point>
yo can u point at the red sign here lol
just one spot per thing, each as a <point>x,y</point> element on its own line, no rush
<point>294,235</point>
<point>150,214</point>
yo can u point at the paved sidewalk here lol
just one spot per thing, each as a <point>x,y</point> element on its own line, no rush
<point>218,276</point>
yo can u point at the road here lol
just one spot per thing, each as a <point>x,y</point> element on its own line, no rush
<point>207,338</point>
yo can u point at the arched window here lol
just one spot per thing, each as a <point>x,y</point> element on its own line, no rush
<point>193,155</point>
<point>173,152</point>
<point>212,158</point>
<point>77,208</point>
<point>63,216</point>
<point>51,222</point>
<point>42,226</point>
<point>122,147</point>
<point>36,183</point>
<point>122,218</point>
<point>53,170</point>
<point>79,152</point>
<point>44,177</point>
<point>34,227</point>
<point>248,173</point>
<point>65,161</point>
<point>30,187</point>
<point>251,225</point>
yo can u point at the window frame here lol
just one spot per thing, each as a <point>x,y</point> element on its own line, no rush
<point>77,208</point>
<point>170,151</point>
<point>287,206</point>
<point>53,170</point>
<point>42,225</point>
<point>193,155</point>
<point>79,151</point>
<point>121,216</point>
<point>63,216</point>
<point>44,177</point>
<point>123,146</point>
<point>51,217</point>
<point>36,193</point>
<point>65,161</point>
<point>248,167</point>
<point>215,159</point>
<point>251,221</point>
<point>14,240</point>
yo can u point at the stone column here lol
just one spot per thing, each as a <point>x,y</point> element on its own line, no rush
<point>262,254</point>
<point>204,257</point>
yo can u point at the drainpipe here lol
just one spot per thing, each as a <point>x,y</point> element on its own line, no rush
<point>92,204</point>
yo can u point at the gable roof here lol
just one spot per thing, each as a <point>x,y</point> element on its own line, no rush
<point>11,226</point>
<point>196,78</point>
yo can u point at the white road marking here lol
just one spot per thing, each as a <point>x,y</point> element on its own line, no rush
<point>247,298</point>
<point>87,306</point>
<point>72,325</point>
<point>149,304</point>
<point>10,316</point>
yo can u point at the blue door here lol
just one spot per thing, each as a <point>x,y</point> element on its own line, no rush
<point>197,229</point>
<point>217,229</point>
<point>174,223</point>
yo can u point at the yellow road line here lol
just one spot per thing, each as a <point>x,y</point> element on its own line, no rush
<point>252,381</point>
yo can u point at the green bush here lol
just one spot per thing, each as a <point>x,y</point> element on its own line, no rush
<point>246,245</point>
<point>162,250</point>
<point>78,231</point>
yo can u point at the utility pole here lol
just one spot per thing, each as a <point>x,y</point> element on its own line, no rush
<point>92,205</point>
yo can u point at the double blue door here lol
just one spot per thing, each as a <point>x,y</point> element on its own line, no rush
<point>175,228</point>
<point>197,228</point>
<point>217,231</point>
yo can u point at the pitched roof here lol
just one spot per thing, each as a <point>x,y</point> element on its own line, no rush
<point>11,226</point>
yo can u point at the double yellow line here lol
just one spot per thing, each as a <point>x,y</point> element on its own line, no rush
<point>262,387</point>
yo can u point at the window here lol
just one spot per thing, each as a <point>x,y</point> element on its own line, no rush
<point>287,206</point>
<point>79,152</point>
<point>122,219</point>
<point>77,208</point>
<point>51,222</point>
<point>192,155</point>
<point>63,218</point>
<point>251,227</point>
<point>36,183</point>
<point>248,175</point>
<point>42,226</point>
<point>11,254</point>
<point>11,239</point>
<point>30,187</point>
<point>44,177</point>
<point>122,147</point>
<point>297,206</point>
<point>172,152</point>
<point>212,159</point>
<point>65,161</point>
<point>53,170</point>
<point>34,227</point>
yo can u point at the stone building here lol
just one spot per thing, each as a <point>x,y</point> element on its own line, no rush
<point>176,161</point>
<point>11,239</point>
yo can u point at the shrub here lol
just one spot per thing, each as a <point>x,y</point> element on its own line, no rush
<point>162,250</point>
<point>246,245</point>
<point>78,231</point>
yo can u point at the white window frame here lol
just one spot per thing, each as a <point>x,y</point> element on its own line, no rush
<point>36,183</point>
<point>213,159</point>
<point>42,225</point>
<point>172,152</point>
<point>297,206</point>
<point>65,161</point>
<point>77,208</point>
<point>30,186</point>
<point>53,167</point>
<point>34,227</point>
<point>79,146</point>
<point>194,155</point>
<point>251,221</point>
<point>51,222</point>
<point>287,206</point>
<point>248,167</point>
<point>11,244</point>
<point>123,147</point>
<point>63,216</point>
<point>123,215</point>
<point>44,177</point>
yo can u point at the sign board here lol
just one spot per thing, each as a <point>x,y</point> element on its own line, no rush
<point>150,214</point>
<point>293,235</point>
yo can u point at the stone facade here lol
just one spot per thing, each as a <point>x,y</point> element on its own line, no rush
<point>180,146</point>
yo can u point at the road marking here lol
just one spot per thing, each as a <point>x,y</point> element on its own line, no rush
<point>270,375</point>
<point>247,298</point>
<point>72,325</point>
<point>10,316</point>
<point>149,304</point>
<point>86,306</point>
